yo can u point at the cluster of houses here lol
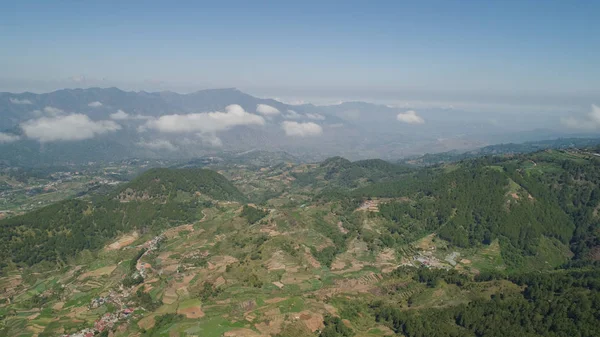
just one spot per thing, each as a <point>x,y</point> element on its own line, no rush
<point>107,321</point>
<point>113,297</point>
<point>150,246</point>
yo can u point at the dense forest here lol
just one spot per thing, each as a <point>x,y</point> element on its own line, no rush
<point>562,303</point>
<point>166,183</point>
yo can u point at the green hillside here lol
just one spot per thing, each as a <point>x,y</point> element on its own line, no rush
<point>161,183</point>
<point>337,248</point>
<point>156,199</point>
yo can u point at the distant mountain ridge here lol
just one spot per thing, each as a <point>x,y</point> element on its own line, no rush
<point>355,130</point>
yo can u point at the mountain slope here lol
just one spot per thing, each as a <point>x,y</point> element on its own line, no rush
<point>454,250</point>
<point>158,198</point>
<point>164,184</point>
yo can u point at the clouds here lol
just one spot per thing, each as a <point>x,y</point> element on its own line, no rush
<point>121,115</point>
<point>53,111</point>
<point>19,101</point>
<point>296,129</point>
<point>410,117</point>
<point>210,139</point>
<point>315,116</point>
<point>267,110</point>
<point>157,145</point>
<point>590,122</point>
<point>291,114</point>
<point>95,104</point>
<point>210,122</point>
<point>8,138</point>
<point>66,128</point>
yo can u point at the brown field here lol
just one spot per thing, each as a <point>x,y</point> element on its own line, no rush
<point>147,322</point>
<point>98,272</point>
<point>124,241</point>
<point>191,312</point>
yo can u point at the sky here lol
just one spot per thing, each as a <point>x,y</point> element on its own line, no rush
<point>542,54</point>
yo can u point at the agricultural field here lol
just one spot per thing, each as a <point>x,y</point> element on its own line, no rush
<point>288,249</point>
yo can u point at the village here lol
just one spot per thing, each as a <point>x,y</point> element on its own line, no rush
<point>119,298</point>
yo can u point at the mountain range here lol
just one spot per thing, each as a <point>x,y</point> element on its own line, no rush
<point>104,124</point>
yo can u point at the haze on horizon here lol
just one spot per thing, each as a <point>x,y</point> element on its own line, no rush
<point>491,56</point>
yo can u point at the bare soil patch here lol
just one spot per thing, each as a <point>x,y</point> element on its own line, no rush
<point>313,321</point>
<point>191,312</point>
<point>123,241</point>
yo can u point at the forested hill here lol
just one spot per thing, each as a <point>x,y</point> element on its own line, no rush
<point>156,199</point>
<point>540,206</point>
<point>166,183</point>
<point>340,172</point>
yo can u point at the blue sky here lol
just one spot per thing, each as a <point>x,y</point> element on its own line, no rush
<point>514,51</point>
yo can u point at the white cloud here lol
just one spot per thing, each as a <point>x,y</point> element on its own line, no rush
<point>66,127</point>
<point>210,139</point>
<point>410,117</point>
<point>53,111</point>
<point>122,115</point>
<point>266,110</point>
<point>157,144</point>
<point>119,115</point>
<point>8,138</point>
<point>19,101</point>
<point>316,116</point>
<point>291,114</point>
<point>209,122</point>
<point>301,129</point>
<point>590,122</point>
<point>95,104</point>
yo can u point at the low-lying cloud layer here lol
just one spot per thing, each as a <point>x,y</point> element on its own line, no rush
<point>66,127</point>
<point>53,111</point>
<point>315,116</point>
<point>95,104</point>
<point>410,117</point>
<point>121,115</point>
<point>590,122</point>
<point>8,138</point>
<point>291,114</point>
<point>301,129</point>
<point>20,101</point>
<point>267,110</point>
<point>209,122</point>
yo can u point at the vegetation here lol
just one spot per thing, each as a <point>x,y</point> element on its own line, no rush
<point>492,246</point>
<point>557,304</point>
<point>253,214</point>
<point>58,232</point>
